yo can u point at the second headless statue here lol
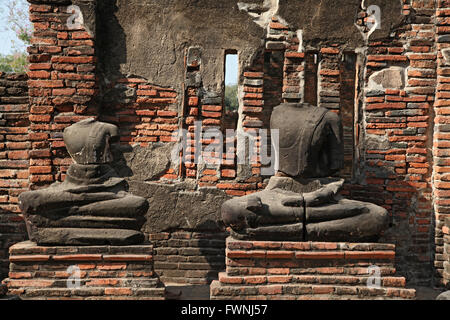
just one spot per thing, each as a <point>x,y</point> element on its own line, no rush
<point>301,202</point>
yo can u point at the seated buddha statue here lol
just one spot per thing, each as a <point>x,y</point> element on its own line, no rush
<point>92,205</point>
<point>302,202</point>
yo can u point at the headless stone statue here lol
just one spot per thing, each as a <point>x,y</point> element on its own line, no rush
<point>91,206</point>
<point>301,202</point>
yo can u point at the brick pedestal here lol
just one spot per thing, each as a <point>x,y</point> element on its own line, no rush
<point>105,272</point>
<point>260,270</point>
<point>446,274</point>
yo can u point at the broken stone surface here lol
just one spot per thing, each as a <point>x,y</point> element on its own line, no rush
<point>376,142</point>
<point>330,19</point>
<point>179,206</point>
<point>390,78</point>
<point>92,205</point>
<point>133,39</point>
<point>301,202</point>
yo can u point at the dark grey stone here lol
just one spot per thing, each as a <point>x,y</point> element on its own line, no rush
<point>444,38</point>
<point>253,82</point>
<point>213,25</point>
<point>180,206</point>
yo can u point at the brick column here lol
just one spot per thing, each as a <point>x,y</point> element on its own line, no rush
<point>441,145</point>
<point>62,83</point>
<point>14,149</point>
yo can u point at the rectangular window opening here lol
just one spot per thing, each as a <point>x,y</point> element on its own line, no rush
<point>231,87</point>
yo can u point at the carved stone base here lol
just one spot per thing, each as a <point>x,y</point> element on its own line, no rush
<point>104,272</point>
<point>260,270</point>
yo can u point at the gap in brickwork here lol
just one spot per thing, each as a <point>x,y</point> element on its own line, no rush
<point>347,109</point>
<point>311,68</point>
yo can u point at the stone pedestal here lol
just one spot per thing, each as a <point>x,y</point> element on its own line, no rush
<point>446,274</point>
<point>260,270</point>
<point>83,272</point>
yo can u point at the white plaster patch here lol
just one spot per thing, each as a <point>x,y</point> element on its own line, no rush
<point>389,78</point>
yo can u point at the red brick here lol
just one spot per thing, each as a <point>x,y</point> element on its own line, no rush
<point>75,60</point>
<point>78,257</point>
<point>28,258</point>
<point>118,291</point>
<point>31,283</point>
<point>298,55</point>
<point>319,255</point>
<point>388,255</point>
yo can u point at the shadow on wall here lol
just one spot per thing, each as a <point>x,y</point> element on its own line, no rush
<point>110,49</point>
<point>388,189</point>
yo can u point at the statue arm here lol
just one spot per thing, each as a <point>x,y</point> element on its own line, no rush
<point>323,195</point>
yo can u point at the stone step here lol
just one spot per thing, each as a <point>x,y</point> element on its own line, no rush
<point>221,291</point>
<point>90,293</point>
<point>399,282</point>
<point>30,248</point>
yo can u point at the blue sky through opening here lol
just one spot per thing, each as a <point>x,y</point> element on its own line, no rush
<point>8,36</point>
<point>231,69</point>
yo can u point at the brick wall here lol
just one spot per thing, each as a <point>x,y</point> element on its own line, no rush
<point>61,83</point>
<point>266,270</point>
<point>396,139</point>
<point>14,150</point>
<point>396,174</point>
